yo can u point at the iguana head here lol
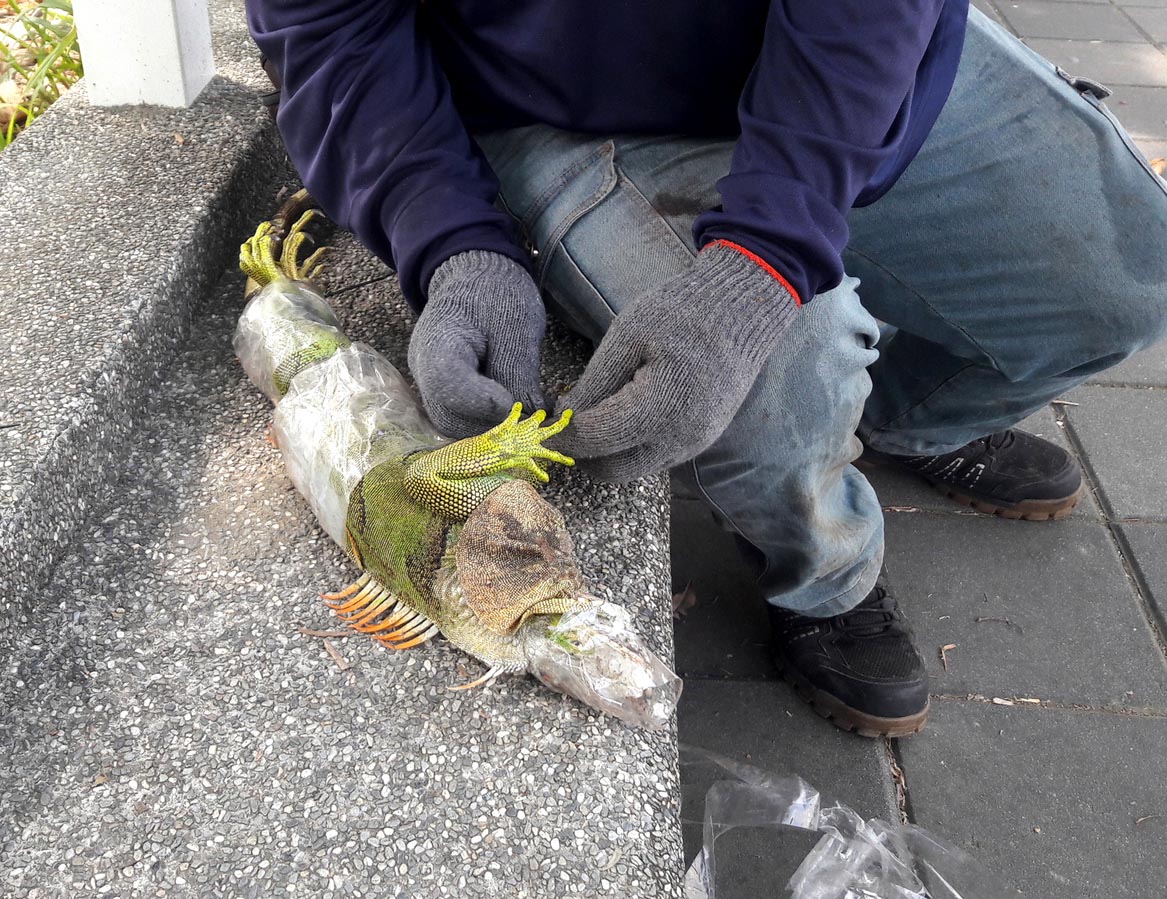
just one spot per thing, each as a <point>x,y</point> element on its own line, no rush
<point>517,572</point>
<point>595,654</point>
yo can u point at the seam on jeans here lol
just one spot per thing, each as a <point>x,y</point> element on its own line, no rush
<point>729,519</point>
<point>924,399</point>
<point>936,312</point>
<point>1126,139</point>
<point>638,195</point>
<point>592,284</point>
<point>581,209</point>
<point>539,205</point>
<point>668,224</point>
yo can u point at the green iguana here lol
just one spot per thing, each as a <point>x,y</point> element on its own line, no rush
<point>451,537</point>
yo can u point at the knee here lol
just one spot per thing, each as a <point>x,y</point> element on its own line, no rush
<point>1130,317</point>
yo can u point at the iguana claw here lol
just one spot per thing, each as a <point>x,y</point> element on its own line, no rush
<point>519,443</point>
<point>452,480</point>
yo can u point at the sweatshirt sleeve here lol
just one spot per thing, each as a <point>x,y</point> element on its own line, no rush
<point>824,109</point>
<point>369,122</point>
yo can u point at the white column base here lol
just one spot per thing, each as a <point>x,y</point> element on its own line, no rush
<point>145,51</point>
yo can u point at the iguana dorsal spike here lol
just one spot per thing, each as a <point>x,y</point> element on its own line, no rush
<point>410,626</point>
<point>358,601</point>
<point>347,591</point>
<point>432,631</point>
<point>392,621</point>
<point>415,628</point>
<point>374,609</point>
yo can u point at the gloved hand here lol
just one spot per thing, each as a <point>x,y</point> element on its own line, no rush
<point>676,364</point>
<point>475,348</point>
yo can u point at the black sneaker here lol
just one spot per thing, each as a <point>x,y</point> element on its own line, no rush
<point>1010,473</point>
<point>860,669</point>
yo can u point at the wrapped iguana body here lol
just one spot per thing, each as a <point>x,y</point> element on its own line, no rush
<point>451,537</point>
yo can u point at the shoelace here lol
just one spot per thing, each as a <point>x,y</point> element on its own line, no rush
<point>871,618</point>
<point>990,445</point>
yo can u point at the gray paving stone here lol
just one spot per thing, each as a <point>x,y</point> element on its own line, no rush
<point>1150,19</point>
<point>1110,62</point>
<point>1142,111</point>
<point>1058,618</point>
<point>1123,432</point>
<point>1054,798</point>
<point>991,11</point>
<point>766,725</point>
<point>899,491</point>
<point>1073,21</point>
<point>1152,149</point>
<point>1147,546</point>
<point>725,634</point>
<point>1148,368</point>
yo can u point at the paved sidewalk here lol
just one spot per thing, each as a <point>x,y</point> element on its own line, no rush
<point>1044,756</point>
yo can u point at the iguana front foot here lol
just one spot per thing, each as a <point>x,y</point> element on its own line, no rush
<point>452,480</point>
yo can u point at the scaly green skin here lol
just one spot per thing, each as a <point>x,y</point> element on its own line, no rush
<point>405,514</point>
<point>404,519</point>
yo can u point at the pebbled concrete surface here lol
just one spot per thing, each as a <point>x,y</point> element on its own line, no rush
<point>169,731</point>
<point>124,219</point>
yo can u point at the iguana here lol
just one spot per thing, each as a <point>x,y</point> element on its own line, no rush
<point>451,537</point>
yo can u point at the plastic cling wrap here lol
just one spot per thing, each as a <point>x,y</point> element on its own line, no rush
<point>341,417</point>
<point>596,655</point>
<point>855,858</point>
<point>284,328</point>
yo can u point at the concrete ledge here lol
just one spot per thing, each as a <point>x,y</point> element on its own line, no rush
<point>117,221</point>
<point>169,730</point>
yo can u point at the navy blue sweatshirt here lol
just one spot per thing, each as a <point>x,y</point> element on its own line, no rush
<point>829,101</point>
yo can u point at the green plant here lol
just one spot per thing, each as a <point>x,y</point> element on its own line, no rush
<point>39,61</point>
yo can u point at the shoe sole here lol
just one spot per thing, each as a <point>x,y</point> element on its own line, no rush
<point>1027,510</point>
<point>844,716</point>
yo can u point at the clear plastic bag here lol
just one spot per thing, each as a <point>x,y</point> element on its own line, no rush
<point>339,419</point>
<point>341,407</point>
<point>855,858</point>
<point>596,655</point>
<point>278,325</point>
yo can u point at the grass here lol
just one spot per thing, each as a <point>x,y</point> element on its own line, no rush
<point>39,60</point>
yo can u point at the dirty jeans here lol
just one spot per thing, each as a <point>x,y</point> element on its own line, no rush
<point>1023,250</point>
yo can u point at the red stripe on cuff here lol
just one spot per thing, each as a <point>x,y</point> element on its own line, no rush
<point>754,257</point>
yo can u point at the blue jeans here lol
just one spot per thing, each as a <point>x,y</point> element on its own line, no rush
<point>1023,250</point>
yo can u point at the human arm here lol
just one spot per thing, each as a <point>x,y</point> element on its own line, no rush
<point>823,115</point>
<point>369,122</point>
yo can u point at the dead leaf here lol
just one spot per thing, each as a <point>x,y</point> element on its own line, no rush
<point>944,654</point>
<point>179,139</point>
<point>341,662</point>
<point>1005,621</point>
<point>1159,165</point>
<point>684,601</point>
<point>100,779</point>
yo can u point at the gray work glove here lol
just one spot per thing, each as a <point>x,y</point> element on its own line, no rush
<point>675,366</point>
<point>475,348</point>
